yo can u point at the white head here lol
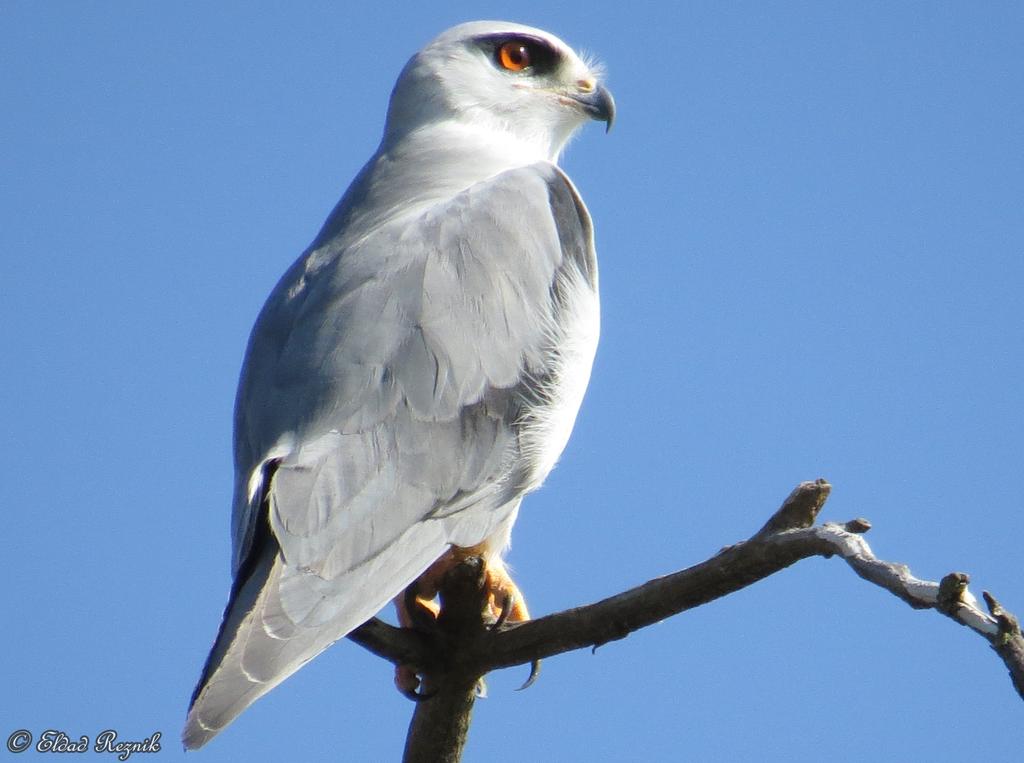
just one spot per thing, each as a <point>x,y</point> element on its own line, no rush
<point>501,78</point>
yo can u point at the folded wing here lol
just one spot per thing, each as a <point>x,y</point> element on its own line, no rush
<point>379,417</point>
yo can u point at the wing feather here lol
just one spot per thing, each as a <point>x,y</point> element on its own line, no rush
<point>386,380</point>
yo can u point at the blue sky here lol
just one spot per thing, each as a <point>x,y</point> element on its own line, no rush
<point>810,222</point>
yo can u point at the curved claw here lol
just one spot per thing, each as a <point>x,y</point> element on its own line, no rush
<point>415,696</point>
<point>407,681</point>
<point>534,672</point>
<point>416,612</point>
<point>508,602</point>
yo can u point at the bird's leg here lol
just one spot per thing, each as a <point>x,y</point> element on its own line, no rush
<point>504,599</point>
<point>506,602</point>
<point>417,608</point>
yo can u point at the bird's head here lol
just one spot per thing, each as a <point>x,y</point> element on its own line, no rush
<point>505,79</point>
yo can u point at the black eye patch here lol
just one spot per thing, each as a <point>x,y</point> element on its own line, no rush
<point>520,54</point>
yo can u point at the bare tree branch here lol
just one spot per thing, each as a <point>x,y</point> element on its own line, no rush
<point>400,646</point>
<point>440,724</point>
<point>455,657</point>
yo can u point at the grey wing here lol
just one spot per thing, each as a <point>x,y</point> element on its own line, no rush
<point>379,415</point>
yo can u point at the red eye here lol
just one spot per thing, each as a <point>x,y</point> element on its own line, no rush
<point>514,56</point>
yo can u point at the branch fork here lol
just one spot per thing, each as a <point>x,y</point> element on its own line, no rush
<point>463,648</point>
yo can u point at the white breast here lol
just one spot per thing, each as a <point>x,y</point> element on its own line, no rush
<point>573,339</point>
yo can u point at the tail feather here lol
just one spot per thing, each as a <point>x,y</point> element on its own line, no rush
<point>259,645</point>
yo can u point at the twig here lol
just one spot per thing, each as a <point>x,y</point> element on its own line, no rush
<point>466,650</point>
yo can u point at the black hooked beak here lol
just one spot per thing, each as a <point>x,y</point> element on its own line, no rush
<point>598,104</point>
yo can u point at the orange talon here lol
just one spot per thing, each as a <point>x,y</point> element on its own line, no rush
<point>417,608</point>
<point>504,598</point>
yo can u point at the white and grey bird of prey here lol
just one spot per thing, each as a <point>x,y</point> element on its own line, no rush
<point>419,369</point>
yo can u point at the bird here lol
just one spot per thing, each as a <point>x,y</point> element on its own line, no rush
<point>419,369</point>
